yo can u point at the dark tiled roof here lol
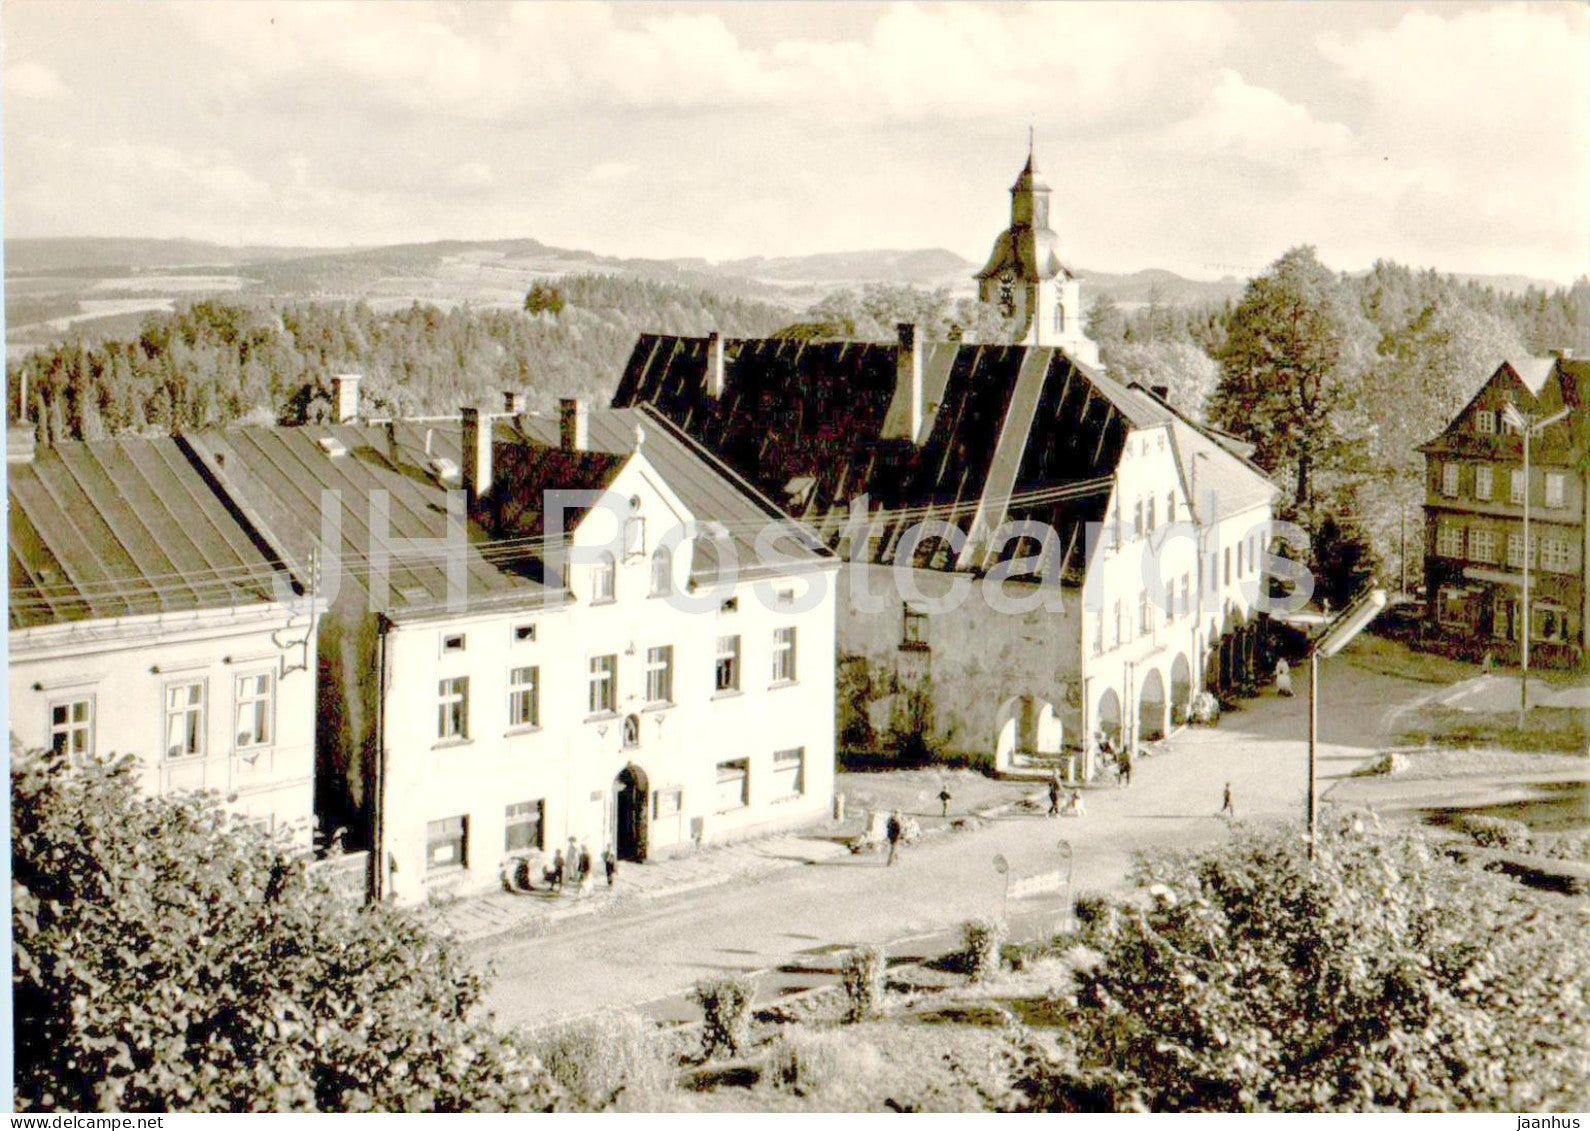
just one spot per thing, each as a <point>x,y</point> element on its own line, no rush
<point>814,425</point>
<point>1540,387</point>
<point>124,528</point>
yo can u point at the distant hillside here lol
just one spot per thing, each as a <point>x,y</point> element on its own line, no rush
<point>932,267</point>
<point>50,256</point>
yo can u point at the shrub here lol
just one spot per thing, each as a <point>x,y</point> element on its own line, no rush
<point>804,1061</point>
<point>982,940</point>
<point>1493,832</point>
<point>864,971</point>
<point>726,1015</point>
<point>1380,975</point>
<point>1096,919</point>
<point>169,957</point>
<point>600,1059</point>
<point>1205,709</point>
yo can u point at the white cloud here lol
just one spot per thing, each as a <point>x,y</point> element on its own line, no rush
<point>1259,125</point>
<point>610,171</point>
<point>30,79</point>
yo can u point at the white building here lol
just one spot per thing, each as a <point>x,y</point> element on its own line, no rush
<point>623,687</point>
<point>145,620</point>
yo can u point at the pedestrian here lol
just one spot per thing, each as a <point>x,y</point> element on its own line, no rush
<point>1226,806</point>
<point>610,862</point>
<point>585,870</point>
<point>1074,806</point>
<point>1054,797</point>
<point>944,801</point>
<point>896,831</point>
<point>559,869</point>
<point>1283,678</point>
<point>1126,769</point>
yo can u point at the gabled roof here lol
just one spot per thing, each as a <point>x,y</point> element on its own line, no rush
<point>126,527</point>
<point>816,426</point>
<point>1539,386</point>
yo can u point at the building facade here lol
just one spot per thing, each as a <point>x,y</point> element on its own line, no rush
<point>1475,550</point>
<point>642,676</point>
<point>146,619</point>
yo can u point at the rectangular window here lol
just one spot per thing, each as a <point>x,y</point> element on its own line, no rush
<point>452,708</point>
<point>660,674</point>
<point>184,720</point>
<point>914,625</point>
<point>1483,484</point>
<point>524,633</point>
<point>784,655</point>
<point>1516,487</point>
<point>1170,506</point>
<point>522,825</point>
<point>1120,630</point>
<point>1242,555</point>
<point>1228,566</point>
<point>1485,421</point>
<point>452,642</point>
<point>789,773</point>
<point>1482,545</point>
<point>1556,554</point>
<point>524,697</point>
<point>1186,594</point>
<point>604,581</point>
<point>1450,473</point>
<point>1098,632</point>
<point>255,710</point>
<point>734,785</point>
<point>1145,613</point>
<point>1515,548</point>
<point>72,726</point>
<point>1214,572</point>
<point>727,676</point>
<point>1449,541</point>
<point>604,685</point>
<point>447,843</point>
<point>1555,482</point>
<point>1137,518</point>
<point>634,537</point>
<point>1452,608</point>
<point>1151,512</point>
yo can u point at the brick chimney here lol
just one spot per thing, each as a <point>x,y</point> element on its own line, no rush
<point>477,454</point>
<point>908,376</point>
<point>513,402</point>
<point>714,364</point>
<point>347,395</point>
<point>574,425</point>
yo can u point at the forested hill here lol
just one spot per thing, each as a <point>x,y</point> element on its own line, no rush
<point>215,363</point>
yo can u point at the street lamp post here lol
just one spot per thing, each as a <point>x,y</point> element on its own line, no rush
<point>1528,428</point>
<point>1353,620</point>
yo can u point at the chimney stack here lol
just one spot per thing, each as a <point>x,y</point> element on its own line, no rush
<point>477,454</point>
<point>347,387</point>
<point>908,375</point>
<point>19,445</point>
<point>714,364</point>
<point>573,425</point>
<point>513,402</point>
<point>1161,392</point>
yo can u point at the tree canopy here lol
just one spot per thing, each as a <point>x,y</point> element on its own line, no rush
<point>171,957</point>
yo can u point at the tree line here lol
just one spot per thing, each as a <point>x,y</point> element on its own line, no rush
<point>216,363</point>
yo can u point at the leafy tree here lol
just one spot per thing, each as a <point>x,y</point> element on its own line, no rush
<point>1381,975</point>
<point>544,297</point>
<point>1104,322</point>
<point>1294,350</point>
<point>1175,363</point>
<point>170,957</point>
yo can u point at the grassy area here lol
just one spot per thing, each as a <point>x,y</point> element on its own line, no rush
<point>1548,730</point>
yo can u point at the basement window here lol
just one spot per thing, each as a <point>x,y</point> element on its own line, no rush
<point>452,642</point>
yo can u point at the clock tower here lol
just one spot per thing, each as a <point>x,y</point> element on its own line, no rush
<point>1025,281</point>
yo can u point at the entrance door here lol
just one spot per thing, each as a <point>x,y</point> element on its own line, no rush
<point>631,802</point>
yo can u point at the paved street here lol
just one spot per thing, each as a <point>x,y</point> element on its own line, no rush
<point>645,952</point>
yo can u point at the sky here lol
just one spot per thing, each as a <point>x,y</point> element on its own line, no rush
<point>1205,139</point>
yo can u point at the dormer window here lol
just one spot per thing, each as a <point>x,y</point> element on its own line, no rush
<point>1485,422</point>
<point>604,580</point>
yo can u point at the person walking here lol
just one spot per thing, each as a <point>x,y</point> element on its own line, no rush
<point>1227,809</point>
<point>1054,797</point>
<point>896,832</point>
<point>585,870</point>
<point>1283,678</point>
<point>944,801</point>
<point>1126,769</point>
<point>559,870</point>
<point>610,864</point>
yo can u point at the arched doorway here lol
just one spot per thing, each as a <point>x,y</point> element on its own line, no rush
<point>1180,689</point>
<point>631,804</point>
<point>1151,707</point>
<point>1110,716</point>
<point>1025,726</point>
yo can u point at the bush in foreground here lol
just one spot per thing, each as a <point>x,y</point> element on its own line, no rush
<point>865,972</point>
<point>981,943</point>
<point>169,957</point>
<point>725,1015</point>
<point>599,1061</point>
<point>1379,976</point>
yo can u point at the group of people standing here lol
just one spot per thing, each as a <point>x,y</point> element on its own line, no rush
<point>575,868</point>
